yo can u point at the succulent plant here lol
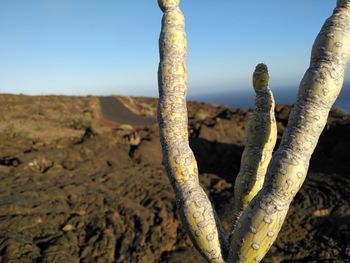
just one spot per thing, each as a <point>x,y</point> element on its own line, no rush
<point>265,185</point>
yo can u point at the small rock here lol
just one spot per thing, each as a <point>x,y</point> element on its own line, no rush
<point>134,139</point>
<point>125,127</point>
<point>68,228</point>
<point>321,212</point>
<point>200,116</point>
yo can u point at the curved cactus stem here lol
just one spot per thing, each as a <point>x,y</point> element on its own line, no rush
<point>261,136</point>
<point>195,209</point>
<point>260,223</point>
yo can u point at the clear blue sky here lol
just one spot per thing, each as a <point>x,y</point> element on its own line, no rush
<point>111,46</point>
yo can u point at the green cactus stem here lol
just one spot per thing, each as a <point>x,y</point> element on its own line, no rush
<point>260,223</point>
<point>196,211</point>
<point>261,136</point>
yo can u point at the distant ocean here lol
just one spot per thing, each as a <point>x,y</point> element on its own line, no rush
<point>240,99</point>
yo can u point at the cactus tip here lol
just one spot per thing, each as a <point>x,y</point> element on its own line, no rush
<point>260,77</point>
<point>165,4</point>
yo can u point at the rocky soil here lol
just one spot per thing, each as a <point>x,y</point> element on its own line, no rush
<point>76,190</point>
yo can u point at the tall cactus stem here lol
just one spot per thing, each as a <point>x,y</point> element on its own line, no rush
<point>260,223</point>
<point>261,136</point>
<point>196,211</point>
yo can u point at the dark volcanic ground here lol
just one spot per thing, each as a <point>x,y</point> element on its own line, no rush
<point>102,195</point>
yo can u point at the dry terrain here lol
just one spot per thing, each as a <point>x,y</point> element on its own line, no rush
<point>78,186</point>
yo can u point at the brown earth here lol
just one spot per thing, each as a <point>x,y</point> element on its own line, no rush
<point>75,190</point>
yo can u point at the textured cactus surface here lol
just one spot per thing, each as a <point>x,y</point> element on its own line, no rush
<point>196,211</point>
<point>264,189</point>
<point>261,136</point>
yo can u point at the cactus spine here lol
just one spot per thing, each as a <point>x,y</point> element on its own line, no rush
<point>259,214</point>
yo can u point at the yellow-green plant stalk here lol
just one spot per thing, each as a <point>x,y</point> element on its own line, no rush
<point>195,209</point>
<point>261,221</point>
<point>261,136</point>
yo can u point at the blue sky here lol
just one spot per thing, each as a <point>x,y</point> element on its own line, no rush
<point>77,47</point>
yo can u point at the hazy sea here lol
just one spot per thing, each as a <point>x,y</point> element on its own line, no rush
<point>245,99</point>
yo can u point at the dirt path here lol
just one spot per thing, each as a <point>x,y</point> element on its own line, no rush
<point>113,110</point>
